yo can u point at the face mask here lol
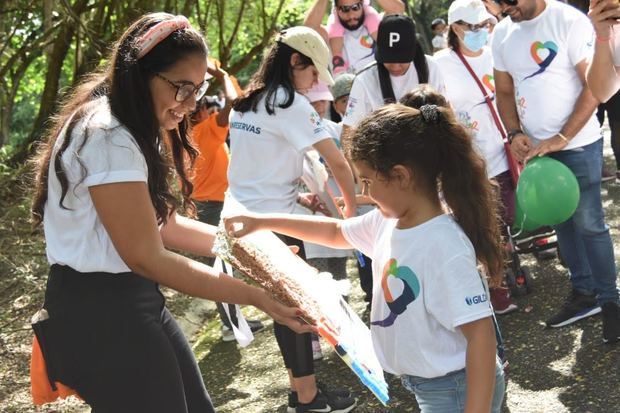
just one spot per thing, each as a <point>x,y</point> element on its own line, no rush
<point>474,41</point>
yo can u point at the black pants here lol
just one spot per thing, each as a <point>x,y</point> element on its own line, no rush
<point>296,349</point>
<point>612,107</point>
<point>111,338</point>
<point>365,274</point>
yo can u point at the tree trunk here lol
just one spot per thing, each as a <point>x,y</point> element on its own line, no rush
<point>47,106</point>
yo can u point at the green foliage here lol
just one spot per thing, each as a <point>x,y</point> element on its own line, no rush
<point>26,103</point>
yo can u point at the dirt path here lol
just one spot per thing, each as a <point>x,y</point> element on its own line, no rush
<point>559,370</point>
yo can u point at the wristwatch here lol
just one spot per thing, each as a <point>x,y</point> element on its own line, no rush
<point>511,134</point>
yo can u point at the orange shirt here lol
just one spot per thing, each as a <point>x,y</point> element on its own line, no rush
<point>211,166</point>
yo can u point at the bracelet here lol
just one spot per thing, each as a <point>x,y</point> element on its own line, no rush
<point>510,135</point>
<point>602,39</point>
<point>564,138</point>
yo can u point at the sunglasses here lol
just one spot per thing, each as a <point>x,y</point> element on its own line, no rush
<point>473,27</point>
<point>352,7</point>
<point>507,2</point>
<point>186,89</point>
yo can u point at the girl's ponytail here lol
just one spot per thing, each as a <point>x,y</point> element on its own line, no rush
<point>439,151</point>
<point>469,193</point>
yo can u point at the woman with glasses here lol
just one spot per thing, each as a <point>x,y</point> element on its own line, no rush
<point>467,50</point>
<point>104,195</point>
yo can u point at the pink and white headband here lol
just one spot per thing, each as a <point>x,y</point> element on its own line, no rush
<point>159,32</point>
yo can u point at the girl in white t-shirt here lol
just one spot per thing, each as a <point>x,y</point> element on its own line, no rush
<point>104,196</point>
<point>271,127</point>
<point>431,322</point>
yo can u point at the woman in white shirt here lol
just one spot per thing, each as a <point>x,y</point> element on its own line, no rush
<point>104,195</point>
<point>271,127</point>
<point>467,38</point>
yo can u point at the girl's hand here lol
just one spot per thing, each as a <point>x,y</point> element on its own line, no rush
<point>313,203</point>
<point>288,316</point>
<point>239,225</point>
<point>604,14</point>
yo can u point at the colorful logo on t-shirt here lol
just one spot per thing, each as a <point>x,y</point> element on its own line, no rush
<point>521,104</point>
<point>367,41</point>
<point>315,119</point>
<point>538,50</point>
<point>489,82</point>
<point>466,120</point>
<point>350,106</point>
<point>411,290</point>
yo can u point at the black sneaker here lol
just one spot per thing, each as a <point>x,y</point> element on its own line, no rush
<point>335,393</point>
<point>576,307</point>
<point>325,404</point>
<point>611,323</point>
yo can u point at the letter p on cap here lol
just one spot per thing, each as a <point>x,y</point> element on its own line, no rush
<point>394,38</point>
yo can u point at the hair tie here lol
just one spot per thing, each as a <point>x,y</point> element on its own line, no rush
<point>430,113</point>
<point>159,32</point>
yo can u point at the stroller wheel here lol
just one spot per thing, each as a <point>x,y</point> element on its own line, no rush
<point>520,283</point>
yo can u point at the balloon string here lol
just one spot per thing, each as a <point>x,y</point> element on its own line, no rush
<point>520,226</point>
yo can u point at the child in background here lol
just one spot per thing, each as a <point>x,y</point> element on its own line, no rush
<point>429,296</point>
<point>335,30</point>
<point>438,27</point>
<point>340,92</point>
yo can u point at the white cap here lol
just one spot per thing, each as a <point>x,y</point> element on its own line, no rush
<point>320,91</point>
<point>309,43</point>
<point>469,11</point>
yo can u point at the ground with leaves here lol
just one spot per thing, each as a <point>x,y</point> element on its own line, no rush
<point>551,370</point>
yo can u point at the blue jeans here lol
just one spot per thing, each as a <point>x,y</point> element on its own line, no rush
<point>446,394</point>
<point>584,239</point>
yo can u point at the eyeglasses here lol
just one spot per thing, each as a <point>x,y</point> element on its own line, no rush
<point>185,89</point>
<point>473,27</point>
<point>352,7</point>
<point>507,2</point>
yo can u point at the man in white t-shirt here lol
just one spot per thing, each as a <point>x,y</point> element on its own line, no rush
<point>540,55</point>
<point>359,47</point>
<point>604,69</point>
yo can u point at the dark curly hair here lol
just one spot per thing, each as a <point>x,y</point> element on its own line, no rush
<point>440,152</point>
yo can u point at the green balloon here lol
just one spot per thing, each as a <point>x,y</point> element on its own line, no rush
<point>523,222</point>
<point>547,191</point>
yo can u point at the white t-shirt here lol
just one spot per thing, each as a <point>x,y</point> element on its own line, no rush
<point>439,41</point>
<point>541,55</point>
<point>470,106</point>
<point>75,236</point>
<point>366,96</point>
<point>266,153</point>
<point>358,49</point>
<point>425,285</point>
<point>319,251</point>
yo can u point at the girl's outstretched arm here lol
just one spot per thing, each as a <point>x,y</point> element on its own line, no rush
<point>480,364</point>
<point>319,230</point>
<point>126,212</point>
